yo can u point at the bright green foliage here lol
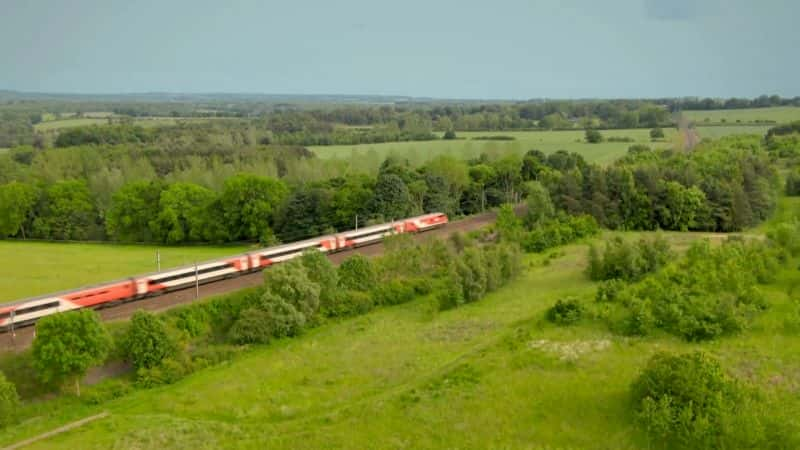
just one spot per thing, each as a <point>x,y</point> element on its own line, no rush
<point>709,293</point>
<point>609,290</point>
<point>248,203</point>
<point>508,224</point>
<point>566,311</point>
<point>68,212</point>
<point>9,402</point>
<point>148,341</point>
<point>184,215</point>
<point>471,267</point>
<point>67,344</point>
<point>627,261</point>
<point>679,208</point>
<point>290,282</point>
<point>540,207</point>
<point>357,273</point>
<point>689,402</point>
<point>272,317</point>
<point>132,209</point>
<point>17,201</point>
<point>787,236</point>
<point>559,231</point>
<point>321,271</point>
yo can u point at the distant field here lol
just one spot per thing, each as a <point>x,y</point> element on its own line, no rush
<point>547,141</point>
<point>466,147</point>
<point>98,119</point>
<point>781,114</point>
<point>715,132</point>
<point>33,268</point>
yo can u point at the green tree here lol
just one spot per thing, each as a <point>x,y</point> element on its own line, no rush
<point>508,224</point>
<point>147,341</point>
<point>9,402</point>
<point>17,201</point>
<point>248,204</point>
<point>449,135</point>
<point>184,214</point>
<point>357,273</point>
<point>656,133</point>
<point>392,199</point>
<point>679,207</point>
<point>540,207</point>
<point>482,175</point>
<point>133,206</point>
<point>321,271</point>
<point>68,212</point>
<point>593,136</point>
<point>290,281</point>
<point>67,344</point>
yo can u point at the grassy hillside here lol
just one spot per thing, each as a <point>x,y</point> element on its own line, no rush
<point>492,374</point>
<point>33,268</point>
<point>779,114</point>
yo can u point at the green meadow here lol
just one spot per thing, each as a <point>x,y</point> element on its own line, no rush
<point>34,268</point>
<point>492,374</point>
<point>778,114</point>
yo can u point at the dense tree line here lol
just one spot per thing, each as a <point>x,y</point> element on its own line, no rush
<point>130,193</point>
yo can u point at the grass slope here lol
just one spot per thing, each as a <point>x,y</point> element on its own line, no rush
<point>33,268</point>
<point>492,374</point>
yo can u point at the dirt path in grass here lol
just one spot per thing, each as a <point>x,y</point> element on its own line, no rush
<point>23,337</point>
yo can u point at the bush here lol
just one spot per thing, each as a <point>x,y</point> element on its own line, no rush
<point>147,341</point>
<point>9,402</point>
<point>609,290</point>
<point>357,274</point>
<point>290,281</point>
<point>273,317</point>
<point>593,136</point>
<point>108,390</point>
<point>452,294</point>
<point>169,371</point>
<point>321,271</point>
<point>558,232</point>
<point>656,133</point>
<point>566,311</point>
<point>393,292</point>
<point>685,400</point>
<point>352,303</point>
<point>627,261</point>
<point>252,327</point>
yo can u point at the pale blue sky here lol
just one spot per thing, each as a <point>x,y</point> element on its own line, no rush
<point>439,48</point>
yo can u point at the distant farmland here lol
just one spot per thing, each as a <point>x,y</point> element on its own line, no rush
<point>467,146</point>
<point>781,114</point>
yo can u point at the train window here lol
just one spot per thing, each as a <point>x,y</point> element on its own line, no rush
<point>189,273</point>
<point>31,309</point>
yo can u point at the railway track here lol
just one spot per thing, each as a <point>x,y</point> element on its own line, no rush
<point>23,337</point>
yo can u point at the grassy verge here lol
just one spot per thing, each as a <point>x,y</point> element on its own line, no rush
<point>33,268</point>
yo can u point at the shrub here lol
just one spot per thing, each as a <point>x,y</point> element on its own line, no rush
<point>9,402</point>
<point>685,399</point>
<point>627,261</point>
<point>393,292</point>
<point>357,274</point>
<point>252,327</point>
<point>452,294</point>
<point>566,311</point>
<point>147,341</point>
<point>656,133</point>
<point>290,281</point>
<point>109,389</point>
<point>321,271</point>
<point>609,290</point>
<point>273,317</point>
<point>352,303</point>
<point>793,184</point>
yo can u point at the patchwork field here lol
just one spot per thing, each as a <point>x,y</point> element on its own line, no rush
<point>493,374</point>
<point>58,124</point>
<point>33,268</point>
<point>780,114</point>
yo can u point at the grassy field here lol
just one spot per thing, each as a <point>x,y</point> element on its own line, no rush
<point>547,141</point>
<point>33,268</point>
<point>780,114</point>
<point>492,374</point>
<point>58,124</point>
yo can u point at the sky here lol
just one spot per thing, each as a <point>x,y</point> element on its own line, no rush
<point>477,49</point>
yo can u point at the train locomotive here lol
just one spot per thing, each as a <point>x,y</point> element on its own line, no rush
<point>27,311</point>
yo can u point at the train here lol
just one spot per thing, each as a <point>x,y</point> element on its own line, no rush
<point>28,311</point>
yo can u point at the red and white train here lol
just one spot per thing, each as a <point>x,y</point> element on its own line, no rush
<point>27,311</point>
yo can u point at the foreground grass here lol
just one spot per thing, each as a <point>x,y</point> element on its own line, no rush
<point>33,268</point>
<point>492,374</point>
